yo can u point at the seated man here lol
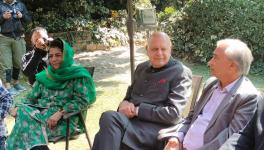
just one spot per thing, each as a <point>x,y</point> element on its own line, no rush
<point>155,100</point>
<point>225,106</point>
<point>252,136</point>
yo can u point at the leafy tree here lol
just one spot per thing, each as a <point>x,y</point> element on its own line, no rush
<point>65,15</point>
<point>196,28</point>
<point>162,4</point>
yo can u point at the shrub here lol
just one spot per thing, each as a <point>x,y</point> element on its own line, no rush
<point>196,28</point>
<point>112,31</point>
<point>64,15</point>
<point>164,15</point>
<point>162,4</point>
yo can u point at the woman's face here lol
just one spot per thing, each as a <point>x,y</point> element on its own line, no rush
<point>55,57</point>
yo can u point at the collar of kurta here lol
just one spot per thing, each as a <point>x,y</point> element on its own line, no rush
<point>170,63</point>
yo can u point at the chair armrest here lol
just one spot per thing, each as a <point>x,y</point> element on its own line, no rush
<point>68,115</point>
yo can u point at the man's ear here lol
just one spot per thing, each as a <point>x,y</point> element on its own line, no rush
<point>234,66</point>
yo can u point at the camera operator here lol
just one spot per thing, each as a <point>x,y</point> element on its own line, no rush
<point>36,59</point>
<point>13,15</point>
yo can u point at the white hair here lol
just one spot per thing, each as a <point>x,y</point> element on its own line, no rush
<point>238,51</point>
<point>159,34</point>
<point>39,29</point>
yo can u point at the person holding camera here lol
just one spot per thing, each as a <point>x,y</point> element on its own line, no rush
<point>13,16</point>
<point>35,60</point>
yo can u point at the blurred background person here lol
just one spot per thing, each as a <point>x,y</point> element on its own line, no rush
<point>13,15</point>
<point>35,60</point>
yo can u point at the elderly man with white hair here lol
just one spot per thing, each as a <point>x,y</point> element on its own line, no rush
<point>36,60</point>
<point>226,105</point>
<point>155,100</point>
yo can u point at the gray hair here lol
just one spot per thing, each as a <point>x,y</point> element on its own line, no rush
<point>159,34</point>
<point>238,51</point>
<point>39,29</point>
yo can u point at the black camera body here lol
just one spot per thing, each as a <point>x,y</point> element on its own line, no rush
<point>47,41</point>
<point>13,13</point>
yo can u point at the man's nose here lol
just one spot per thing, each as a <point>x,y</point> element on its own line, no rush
<point>159,52</point>
<point>209,63</point>
<point>52,58</point>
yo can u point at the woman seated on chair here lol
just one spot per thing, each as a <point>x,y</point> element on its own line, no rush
<point>63,87</point>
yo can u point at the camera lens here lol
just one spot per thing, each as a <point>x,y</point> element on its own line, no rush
<point>46,41</point>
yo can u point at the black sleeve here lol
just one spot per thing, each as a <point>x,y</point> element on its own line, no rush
<point>31,61</point>
<point>2,20</point>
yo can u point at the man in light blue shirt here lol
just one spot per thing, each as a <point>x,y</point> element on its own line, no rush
<point>225,106</point>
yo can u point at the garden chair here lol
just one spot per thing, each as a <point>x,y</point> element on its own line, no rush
<point>196,84</point>
<point>68,117</point>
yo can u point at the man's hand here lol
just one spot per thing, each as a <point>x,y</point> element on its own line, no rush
<point>53,120</point>
<point>7,15</point>
<point>127,109</point>
<point>19,14</point>
<point>173,144</point>
<point>40,44</point>
<point>13,112</point>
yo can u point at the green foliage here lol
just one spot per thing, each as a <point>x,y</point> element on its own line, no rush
<point>197,27</point>
<point>112,31</point>
<point>164,15</point>
<point>162,4</point>
<point>143,3</point>
<point>115,4</point>
<point>64,15</point>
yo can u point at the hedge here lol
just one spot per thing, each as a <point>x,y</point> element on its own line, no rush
<point>196,28</point>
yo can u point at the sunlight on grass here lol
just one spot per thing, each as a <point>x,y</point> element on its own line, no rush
<point>108,98</point>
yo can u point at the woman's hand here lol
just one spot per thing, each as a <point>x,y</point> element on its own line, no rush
<point>13,112</point>
<point>53,120</point>
<point>173,144</point>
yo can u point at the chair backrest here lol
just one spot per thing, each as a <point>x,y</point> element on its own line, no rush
<point>196,84</point>
<point>91,70</point>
